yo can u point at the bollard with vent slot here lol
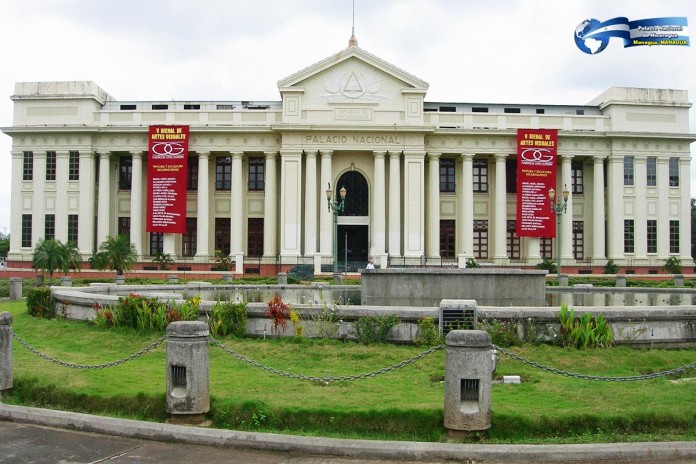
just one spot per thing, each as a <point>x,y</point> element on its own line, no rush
<point>457,315</point>
<point>5,354</point>
<point>188,392</point>
<point>468,369</point>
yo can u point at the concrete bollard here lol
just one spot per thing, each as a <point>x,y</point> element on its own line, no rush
<point>282,278</point>
<point>5,354</point>
<point>620,281</point>
<point>120,279</point>
<point>228,277</point>
<point>172,279</point>
<point>188,391</point>
<point>39,279</point>
<point>563,280</point>
<point>66,281</point>
<point>468,368</point>
<point>678,280</point>
<point>16,288</point>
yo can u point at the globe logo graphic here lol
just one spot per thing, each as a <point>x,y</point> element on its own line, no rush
<point>593,45</point>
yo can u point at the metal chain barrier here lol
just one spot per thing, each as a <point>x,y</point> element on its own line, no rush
<point>327,379</point>
<point>26,345</point>
<point>575,375</point>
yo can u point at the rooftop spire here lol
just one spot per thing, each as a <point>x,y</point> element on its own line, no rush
<point>353,42</point>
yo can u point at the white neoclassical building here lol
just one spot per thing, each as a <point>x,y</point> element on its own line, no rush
<point>428,183</point>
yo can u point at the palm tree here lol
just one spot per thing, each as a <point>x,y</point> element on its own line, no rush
<point>115,253</point>
<point>74,256</point>
<point>163,260</point>
<point>50,255</point>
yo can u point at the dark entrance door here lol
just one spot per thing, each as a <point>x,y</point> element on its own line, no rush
<point>353,240</point>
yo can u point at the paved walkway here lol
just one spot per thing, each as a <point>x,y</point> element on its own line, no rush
<point>33,435</point>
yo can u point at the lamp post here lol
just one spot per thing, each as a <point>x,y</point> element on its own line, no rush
<point>335,207</point>
<point>558,208</point>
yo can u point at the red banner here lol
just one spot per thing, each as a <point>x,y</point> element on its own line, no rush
<point>166,184</point>
<point>536,175</point>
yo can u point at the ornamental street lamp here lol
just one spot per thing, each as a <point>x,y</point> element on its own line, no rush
<point>335,207</point>
<point>558,208</point>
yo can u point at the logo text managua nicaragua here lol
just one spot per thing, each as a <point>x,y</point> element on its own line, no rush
<point>592,36</point>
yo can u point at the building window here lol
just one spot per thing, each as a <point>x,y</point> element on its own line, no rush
<point>256,174</point>
<point>222,236</point>
<point>28,165</point>
<point>156,243</point>
<point>447,176</point>
<point>674,172</point>
<point>628,170</point>
<point>26,230</point>
<point>652,236</point>
<point>448,238</point>
<point>577,180</point>
<point>189,240</point>
<point>255,237</point>
<point>192,174</point>
<point>125,172</point>
<point>481,239</point>
<point>50,165</point>
<point>513,241</point>
<point>674,236</point>
<point>73,227</point>
<point>223,173</point>
<point>651,172</point>
<point>50,227</point>
<point>578,240</point>
<point>511,176</point>
<point>480,172</point>
<point>546,247</point>
<point>629,236</point>
<point>74,165</point>
<point>124,226</point>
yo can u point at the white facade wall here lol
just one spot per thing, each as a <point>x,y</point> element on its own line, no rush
<point>355,113</point>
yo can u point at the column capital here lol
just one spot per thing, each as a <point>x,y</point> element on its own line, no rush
<point>137,155</point>
<point>467,156</point>
<point>597,159</point>
<point>434,155</point>
<point>310,153</point>
<point>204,154</point>
<point>237,154</point>
<point>326,153</point>
<point>567,158</point>
<point>379,153</point>
<point>285,153</point>
<point>500,157</point>
<point>270,155</point>
<point>414,154</point>
<point>394,154</point>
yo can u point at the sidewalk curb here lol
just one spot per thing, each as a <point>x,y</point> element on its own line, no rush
<point>373,449</point>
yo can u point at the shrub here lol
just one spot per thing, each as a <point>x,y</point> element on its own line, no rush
<point>471,263</point>
<point>296,323</point>
<point>228,318</point>
<point>278,312</point>
<point>584,332</point>
<point>326,323</point>
<point>427,335</point>
<point>375,329</point>
<point>611,267</point>
<point>503,333</point>
<point>146,314</point>
<point>673,265</point>
<point>548,265</point>
<point>40,303</point>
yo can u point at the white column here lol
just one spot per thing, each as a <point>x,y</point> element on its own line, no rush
<point>237,213</point>
<point>432,249</point>
<point>615,209</point>
<point>38,204</point>
<point>663,213</point>
<point>394,204</point>
<point>598,251</point>
<point>640,226</point>
<point>325,216</point>
<point>533,251</point>
<point>203,209</point>
<point>291,203</point>
<point>685,212</point>
<point>414,204</point>
<point>136,205</point>
<point>500,219</point>
<point>567,216</point>
<point>270,210</point>
<point>104,201</point>
<point>16,205</point>
<point>61,207</point>
<point>377,219</point>
<point>310,204</point>
<point>465,197</point>
<point>85,218</point>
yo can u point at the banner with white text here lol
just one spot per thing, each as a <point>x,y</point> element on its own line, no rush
<point>166,184</point>
<point>536,175</point>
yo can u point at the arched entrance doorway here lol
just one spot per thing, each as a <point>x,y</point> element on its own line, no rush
<point>353,222</point>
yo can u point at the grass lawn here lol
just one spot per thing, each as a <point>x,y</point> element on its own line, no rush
<point>402,405</point>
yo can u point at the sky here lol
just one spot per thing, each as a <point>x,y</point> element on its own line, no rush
<point>505,51</point>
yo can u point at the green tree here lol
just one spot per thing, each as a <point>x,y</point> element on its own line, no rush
<point>163,260</point>
<point>115,253</point>
<point>52,255</point>
<point>693,227</point>
<point>5,244</point>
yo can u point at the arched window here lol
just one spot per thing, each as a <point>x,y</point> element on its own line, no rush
<point>357,198</point>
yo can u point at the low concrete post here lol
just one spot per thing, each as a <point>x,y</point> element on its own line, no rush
<point>5,354</point>
<point>16,288</point>
<point>120,279</point>
<point>172,279</point>
<point>468,368</point>
<point>678,280</point>
<point>563,280</point>
<point>39,279</point>
<point>282,278</point>
<point>188,391</point>
<point>620,280</point>
<point>66,281</point>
